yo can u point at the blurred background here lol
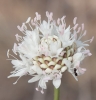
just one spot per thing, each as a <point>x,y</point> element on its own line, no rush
<point>13,13</point>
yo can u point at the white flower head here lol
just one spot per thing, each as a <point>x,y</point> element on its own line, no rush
<point>48,49</point>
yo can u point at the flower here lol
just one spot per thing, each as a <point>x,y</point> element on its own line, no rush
<point>48,50</point>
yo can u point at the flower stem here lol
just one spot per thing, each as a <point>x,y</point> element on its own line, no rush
<point>56,93</point>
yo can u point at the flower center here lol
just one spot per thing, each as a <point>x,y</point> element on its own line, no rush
<point>49,45</point>
<point>49,63</point>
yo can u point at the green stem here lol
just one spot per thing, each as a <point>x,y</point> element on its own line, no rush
<point>56,93</point>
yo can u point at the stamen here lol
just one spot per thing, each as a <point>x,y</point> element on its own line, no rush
<point>81,35</point>
<point>86,52</point>
<point>78,29</point>
<point>58,21</point>
<point>37,89</point>
<point>89,40</point>
<point>38,16</point>
<point>89,54</point>
<point>30,26</point>
<point>9,59</point>
<point>8,53</point>
<point>74,28</point>
<point>24,26</point>
<point>50,16</point>
<point>17,80</point>
<point>35,19</point>
<point>47,13</point>
<point>42,91</point>
<point>74,20</point>
<point>15,48</point>
<point>92,39</point>
<point>63,18</point>
<point>18,37</point>
<point>37,23</point>
<point>19,28</point>
<point>33,23</point>
<point>28,20</point>
<point>82,26</point>
<point>13,56</point>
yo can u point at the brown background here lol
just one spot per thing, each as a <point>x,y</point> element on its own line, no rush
<point>13,13</point>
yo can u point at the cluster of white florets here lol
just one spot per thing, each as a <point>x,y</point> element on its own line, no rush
<point>48,49</point>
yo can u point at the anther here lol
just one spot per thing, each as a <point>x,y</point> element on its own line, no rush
<point>37,89</point>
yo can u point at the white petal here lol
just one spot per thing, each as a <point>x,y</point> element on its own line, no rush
<point>21,72</point>
<point>34,79</point>
<point>30,71</point>
<point>72,72</point>
<point>57,83</point>
<point>66,35</point>
<point>77,57</point>
<point>75,77</point>
<point>42,84</point>
<point>37,69</point>
<point>17,62</point>
<point>53,48</point>
<point>66,62</point>
<point>59,51</point>
<point>23,58</point>
<point>80,70</point>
